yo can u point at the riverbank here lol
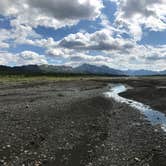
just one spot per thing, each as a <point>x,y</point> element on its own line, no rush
<point>73,124</point>
<point>155,117</point>
<point>148,90</point>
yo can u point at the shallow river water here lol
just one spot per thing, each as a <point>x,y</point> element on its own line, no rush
<point>155,117</point>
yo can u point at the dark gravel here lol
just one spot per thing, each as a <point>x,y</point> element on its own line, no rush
<point>72,124</point>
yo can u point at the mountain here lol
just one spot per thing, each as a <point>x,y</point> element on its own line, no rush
<point>102,70</point>
<point>140,72</point>
<point>163,72</point>
<point>82,69</point>
<point>55,69</point>
<point>20,70</point>
<point>50,69</point>
<point>35,69</point>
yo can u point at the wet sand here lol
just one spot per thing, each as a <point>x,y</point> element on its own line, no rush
<point>72,123</point>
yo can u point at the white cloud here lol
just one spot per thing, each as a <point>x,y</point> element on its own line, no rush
<point>102,40</point>
<point>108,44</point>
<point>45,43</point>
<point>133,14</point>
<point>27,14</point>
<point>29,57</point>
<point>64,9</point>
<point>58,53</point>
<point>3,45</point>
<point>4,35</point>
<point>23,58</point>
<point>114,52</point>
<point>19,34</point>
<point>50,13</point>
<point>7,58</point>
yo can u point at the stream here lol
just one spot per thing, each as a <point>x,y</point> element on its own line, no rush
<point>153,116</point>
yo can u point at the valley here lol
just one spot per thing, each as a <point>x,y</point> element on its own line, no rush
<point>70,122</point>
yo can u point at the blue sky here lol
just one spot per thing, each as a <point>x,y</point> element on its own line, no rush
<point>122,34</point>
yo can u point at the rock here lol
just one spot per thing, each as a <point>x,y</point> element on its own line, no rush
<point>38,163</point>
<point>137,159</point>
<point>8,146</point>
<point>27,106</point>
<point>26,151</point>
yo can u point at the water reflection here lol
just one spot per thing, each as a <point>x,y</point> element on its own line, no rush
<point>154,116</point>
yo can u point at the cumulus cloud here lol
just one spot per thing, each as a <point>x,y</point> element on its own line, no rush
<point>50,13</point>
<point>19,34</point>
<point>103,47</point>
<point>23,58</point>
<point>3,45</point>
<point>75,58</point>
<point>7,58</point>
<point>64,9</point>
<point>102,40</point>
<point>26,14</point>
<point>29,57</point>
<point>133,14</point>
<point>124,55</point>
<point>4,35</point>
<point>113,51</point>
<point>142,7</point>
<point>143,57</point>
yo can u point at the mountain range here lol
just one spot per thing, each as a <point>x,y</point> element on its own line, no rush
<point>82,69</point>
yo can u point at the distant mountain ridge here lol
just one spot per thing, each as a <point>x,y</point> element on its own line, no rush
<point>82,69</point>
<point>141,72</point>
<point>92,69</point>
<point>50,69</point>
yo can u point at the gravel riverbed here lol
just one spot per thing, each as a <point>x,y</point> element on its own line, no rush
<point>72,123</point>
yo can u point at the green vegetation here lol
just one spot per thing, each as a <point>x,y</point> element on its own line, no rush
<point>42,78</point>
<point>18,78</point>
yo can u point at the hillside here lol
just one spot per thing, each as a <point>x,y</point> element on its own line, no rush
<point>85,69</point>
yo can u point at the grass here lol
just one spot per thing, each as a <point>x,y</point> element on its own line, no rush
<point>22,78</point>
<point>42,78</point>
<point>14,78</point>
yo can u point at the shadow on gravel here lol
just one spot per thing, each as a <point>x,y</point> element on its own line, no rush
<point>94,132</point>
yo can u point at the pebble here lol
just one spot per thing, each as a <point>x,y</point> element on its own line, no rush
<point>2,161</point>
<point>137,159</point>
<point>4,147</point>
<point>9,146</point>
<point>25,151</point>
<point>27,106</point>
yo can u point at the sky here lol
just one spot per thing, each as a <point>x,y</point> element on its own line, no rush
<point>121,34</point>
